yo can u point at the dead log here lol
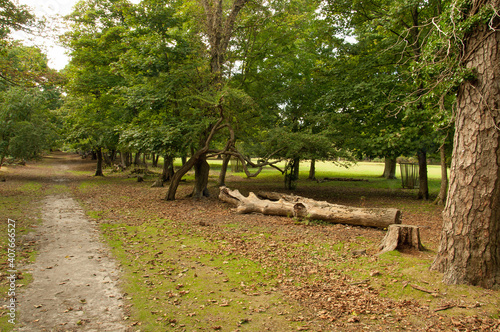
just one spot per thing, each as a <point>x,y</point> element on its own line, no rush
<point>401,237</point>
<point>305,208</point>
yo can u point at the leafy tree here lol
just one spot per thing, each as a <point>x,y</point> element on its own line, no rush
<point>14,17</point>
<point>390,36</point>
<point>279,71</point>
<point>28,97</point>
<point>95,41</point>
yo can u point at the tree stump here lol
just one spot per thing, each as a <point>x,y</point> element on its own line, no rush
<point>401,237</point>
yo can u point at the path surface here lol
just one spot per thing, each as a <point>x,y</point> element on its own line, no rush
<point>74,284</point>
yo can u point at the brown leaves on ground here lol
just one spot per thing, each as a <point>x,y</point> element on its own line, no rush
<point>310,264</point>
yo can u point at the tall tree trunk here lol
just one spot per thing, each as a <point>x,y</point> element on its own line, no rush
<point>390,168</point>
<point>423,190</point>
<point>107,159</point>
<point>443,190</point>
<point>168,168</point>
<point>201,171</point>
<point>292,174</point>
<point>223,170</point>
<point>137,159</point>
<point>154,161</point>
<point>123,156</point>
<point>312,170</point>
<point>98,170</point>
<point>469,251</point>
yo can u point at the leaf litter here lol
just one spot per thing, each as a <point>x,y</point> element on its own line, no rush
<point>309,273</point>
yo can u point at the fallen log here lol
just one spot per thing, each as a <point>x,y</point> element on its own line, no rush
<point>305,208</point>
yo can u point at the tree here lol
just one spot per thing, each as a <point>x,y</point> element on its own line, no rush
<point>390,36</point>
<point>280,54</point>
<point>28,96</point>
<point>95,41</point>
<point>469,251</point>
<point>15,17</point>
<point>219,19</point>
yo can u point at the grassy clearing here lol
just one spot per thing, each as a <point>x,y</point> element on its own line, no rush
<point>176,280</point>
<point>252,273</point>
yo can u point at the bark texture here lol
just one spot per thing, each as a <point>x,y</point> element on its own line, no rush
<point>469,251</point>
<point>98,170</point>
<point>443,190</point>
<point>223,171</point>
<point>423,184</point>
<point>201,171</point>
<point>312,170</point>
<point>401,237</point>
<point>390,168</point>
<point>305,208</point>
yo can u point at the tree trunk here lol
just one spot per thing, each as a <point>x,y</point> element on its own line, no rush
<point>201,172</point>
<point>292,174</point>
<point>168,168</point>
<point>469,251</point>
<point>390,168</point>
<point>223,170</point>
<point>98,170</point>
<point>107,159</point>
<point>123,159</point>
<point>443,190</point>
<point>423,190</point>
<point>137,159</point>
<point>312,170</point>
<point>305,208</point>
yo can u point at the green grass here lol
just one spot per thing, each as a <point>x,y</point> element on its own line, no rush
<point>176,280</point>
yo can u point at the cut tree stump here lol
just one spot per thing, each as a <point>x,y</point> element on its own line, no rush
<point>306,208</point>
<point>401,237</point>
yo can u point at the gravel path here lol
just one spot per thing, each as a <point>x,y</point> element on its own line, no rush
<point>74,284</point>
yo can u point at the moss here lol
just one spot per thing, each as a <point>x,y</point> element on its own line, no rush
<point>179,280</point>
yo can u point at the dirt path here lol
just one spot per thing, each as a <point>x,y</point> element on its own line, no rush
<point>74,284</point>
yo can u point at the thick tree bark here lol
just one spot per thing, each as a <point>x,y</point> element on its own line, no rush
<point>305,208</point>
<point>292,174</point>
<point>137,159</point>
<point>223,170</point>
<point>469,251</point>
<point>312,170</point>
<point>443,190</point>
<point>390,168</point>
<point>423,190</point>
<point>201,172</point>
<point>168,168</point>
<point>98,170</point>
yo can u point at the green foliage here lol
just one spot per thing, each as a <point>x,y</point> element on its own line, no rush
<point>27,127</point>
<point>14,17</point>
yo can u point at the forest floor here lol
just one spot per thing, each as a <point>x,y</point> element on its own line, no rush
<point>196,265</point>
